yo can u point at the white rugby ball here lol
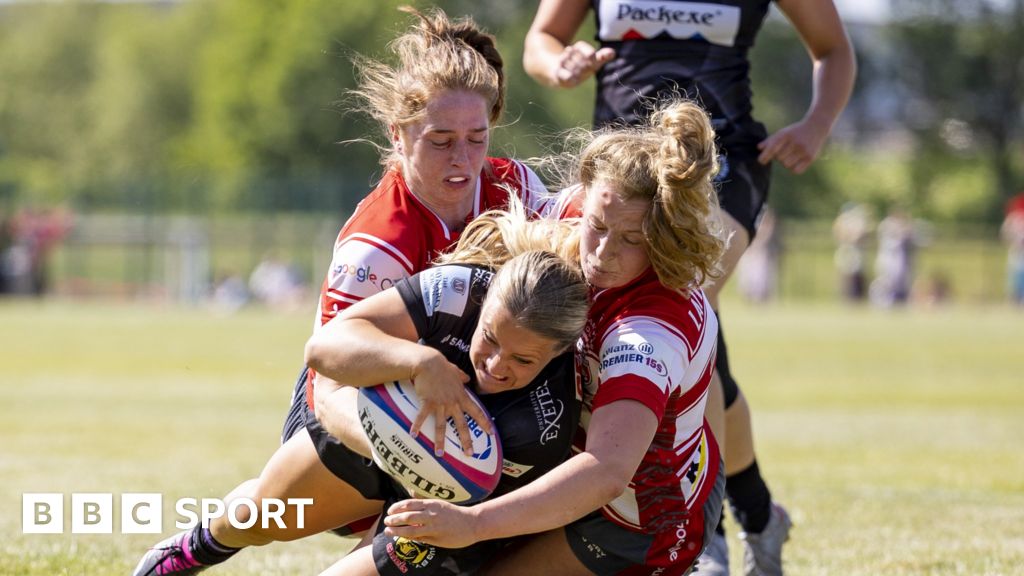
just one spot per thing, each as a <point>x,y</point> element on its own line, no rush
<point>386,412</point>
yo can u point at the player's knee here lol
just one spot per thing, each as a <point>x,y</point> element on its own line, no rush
<point>730,390</point>
<point>738,407</point>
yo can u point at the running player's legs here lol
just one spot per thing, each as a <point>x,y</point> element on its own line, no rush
<point>742,193</point>
<point>295,471</point>
<point>743,188</point>
<point>722,396</point>
<point>739,239</point>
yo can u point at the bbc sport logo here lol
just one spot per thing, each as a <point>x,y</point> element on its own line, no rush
<point>142,513</point>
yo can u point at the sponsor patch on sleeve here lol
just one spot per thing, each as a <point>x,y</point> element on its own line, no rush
<point>445,289</point>
<point>360,270</point>
<point>632,353</point>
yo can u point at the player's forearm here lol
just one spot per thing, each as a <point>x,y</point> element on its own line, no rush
<point>565,494</point>
<point>618,436</point>
<point>541,56</point>
<point>335,409</point>
<point>359,354</point>
<point>834,75</point>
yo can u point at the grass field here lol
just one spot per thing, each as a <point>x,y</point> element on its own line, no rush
<point>894,438</point>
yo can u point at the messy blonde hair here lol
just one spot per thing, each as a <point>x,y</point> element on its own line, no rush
<point>669,162</point>
<point>545,294</point>
<point>539,280</point>
<point>434,55</point>
<point>496,236</point>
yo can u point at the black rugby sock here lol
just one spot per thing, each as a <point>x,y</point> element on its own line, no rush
<point>749,499</point>
<point>206,550</point>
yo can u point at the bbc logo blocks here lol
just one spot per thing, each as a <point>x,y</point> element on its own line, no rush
<point>142,513</point>
<point>91,513</point>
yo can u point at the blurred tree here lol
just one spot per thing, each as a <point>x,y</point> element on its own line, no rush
<point>240,105</point>
<point>140,103</point>
<point>961,62</point>
<point>267,111</point>
<point>47,65</point>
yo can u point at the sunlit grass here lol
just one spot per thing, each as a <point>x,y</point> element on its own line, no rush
<point>892,437</point>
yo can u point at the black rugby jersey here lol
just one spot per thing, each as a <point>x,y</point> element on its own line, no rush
<point>535,423</point>
<point>698,49</point>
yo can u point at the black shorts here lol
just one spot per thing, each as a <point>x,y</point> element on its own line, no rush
<point>396,556</point>
<point>295,420</point>
<point>743,190</point>
<point>347,465</point>
<point>350,466</point>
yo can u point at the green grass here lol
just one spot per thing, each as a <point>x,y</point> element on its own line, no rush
<point>117,398</point>
<point>893,438</point>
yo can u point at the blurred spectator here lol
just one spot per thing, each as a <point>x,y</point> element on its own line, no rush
<point>1012,233</point>
<point>6,241</point>
<point>936,290</point>
<point>230,293</point>
<point>851,230</point>
<point>898,239</point>
<point>30,236</point>
<point>277,284</point>
<point>758,269</point>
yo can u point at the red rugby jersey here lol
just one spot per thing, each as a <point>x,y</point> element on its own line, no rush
<point>649,343</point>
<point>393,235</point>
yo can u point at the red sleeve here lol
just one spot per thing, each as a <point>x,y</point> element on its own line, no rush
<point>631,387</point>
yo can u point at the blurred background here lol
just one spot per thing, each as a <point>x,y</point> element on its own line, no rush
<point>193,151</point>
<point>173,176</point>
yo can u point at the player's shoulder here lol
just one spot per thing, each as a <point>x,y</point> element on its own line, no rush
<point>653,309</point>
<point>389,222</point>
<point>453,289</point>
<point>569,203</point>
<point>673,306</point>
<point>378,245</point>
<point>385,211</point>
<point>502,177</point>
<point>505,169</point>
<point>514,175</point>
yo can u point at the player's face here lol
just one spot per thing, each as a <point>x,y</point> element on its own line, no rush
<point>505,355</point>
<point>612,245</point>
<point>442,155</point>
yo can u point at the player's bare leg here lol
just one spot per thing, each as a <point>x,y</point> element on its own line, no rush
<point>295,471</point>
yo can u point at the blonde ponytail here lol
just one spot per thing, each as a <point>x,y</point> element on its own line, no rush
<point>670,163</point>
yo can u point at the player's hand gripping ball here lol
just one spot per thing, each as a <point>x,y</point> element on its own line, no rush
<point>386,412</point>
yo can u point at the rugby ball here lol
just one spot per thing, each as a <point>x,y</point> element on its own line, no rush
<point>386,412</point>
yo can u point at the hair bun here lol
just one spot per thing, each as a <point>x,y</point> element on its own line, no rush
<point>689,155</point>
<point>484,45</point>
<point>437,26</point>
